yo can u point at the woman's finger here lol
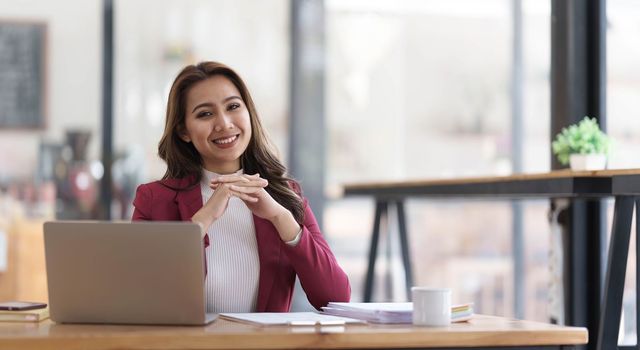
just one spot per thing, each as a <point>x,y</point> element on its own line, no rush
<point>243,196</point>
<point>245,189</point>
<point>230,178</point>
<point>236,177</point>
<point>248,183</point>
<point>254,187</point>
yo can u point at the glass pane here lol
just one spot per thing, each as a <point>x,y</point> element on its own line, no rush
<point>623,82</point>
<point>420,89</point>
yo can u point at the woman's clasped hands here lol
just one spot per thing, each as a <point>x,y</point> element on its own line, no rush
<point>250,189</point>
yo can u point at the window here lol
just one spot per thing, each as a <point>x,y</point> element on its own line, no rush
<point>421,89</point>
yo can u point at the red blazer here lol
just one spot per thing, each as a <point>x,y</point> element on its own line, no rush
<point>320,275</point>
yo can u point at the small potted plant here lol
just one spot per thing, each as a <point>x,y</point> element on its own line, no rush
<point>584,146</point>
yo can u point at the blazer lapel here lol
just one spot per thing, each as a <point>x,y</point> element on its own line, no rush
<point>189,202</point>
<point>269,254</point>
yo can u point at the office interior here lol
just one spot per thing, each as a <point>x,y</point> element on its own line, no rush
<point>350,91</point>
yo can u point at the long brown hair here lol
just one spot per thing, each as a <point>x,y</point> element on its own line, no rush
<point>183,160</point>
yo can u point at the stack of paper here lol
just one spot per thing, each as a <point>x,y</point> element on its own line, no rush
<point>389,312</point>
<point>36,315</point>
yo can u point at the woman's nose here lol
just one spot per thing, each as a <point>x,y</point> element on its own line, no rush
<point>222,123</point>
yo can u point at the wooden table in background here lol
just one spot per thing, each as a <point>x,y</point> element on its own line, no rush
<point>482,332</point>
<point>623,184</point>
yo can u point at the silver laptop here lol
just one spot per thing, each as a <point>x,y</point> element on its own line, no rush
<point>128,273</point>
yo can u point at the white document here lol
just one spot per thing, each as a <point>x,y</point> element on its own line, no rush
<point>372,312</point>
<point>375,307</point>
<point>289,318</point>
<point>389,312</point>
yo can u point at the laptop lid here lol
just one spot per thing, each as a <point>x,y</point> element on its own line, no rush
<point>123,272</point>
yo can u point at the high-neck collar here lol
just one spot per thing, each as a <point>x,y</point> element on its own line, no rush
<point>207,175</point>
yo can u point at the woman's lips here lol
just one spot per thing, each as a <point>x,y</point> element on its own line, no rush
<point>226,142</point>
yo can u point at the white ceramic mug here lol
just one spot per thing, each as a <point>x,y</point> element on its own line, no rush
<point>431,306</point>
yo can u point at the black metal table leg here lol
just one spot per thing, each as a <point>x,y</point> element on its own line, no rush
<point>616,268</point>
<point>381,209</point>
<point>637,272</point>
<point>404,246</point>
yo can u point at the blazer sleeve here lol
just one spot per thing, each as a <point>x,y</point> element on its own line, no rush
<point>317,268</point>
<point>142,204</point>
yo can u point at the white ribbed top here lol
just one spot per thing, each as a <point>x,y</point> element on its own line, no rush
<point>233,265</point>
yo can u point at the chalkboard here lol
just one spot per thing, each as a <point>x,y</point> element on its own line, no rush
<point>22,75</point>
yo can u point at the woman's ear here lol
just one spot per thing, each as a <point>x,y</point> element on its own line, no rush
<point>184,136</point>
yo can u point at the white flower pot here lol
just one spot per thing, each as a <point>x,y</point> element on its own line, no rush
<point>579,162</point>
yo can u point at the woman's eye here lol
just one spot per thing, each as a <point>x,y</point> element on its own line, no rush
<point>204,114</point>
<point>234,106</point>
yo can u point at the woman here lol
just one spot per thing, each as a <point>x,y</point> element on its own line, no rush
<point>222,173</point>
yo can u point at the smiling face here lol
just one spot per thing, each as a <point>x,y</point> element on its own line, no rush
<point>218,123</point>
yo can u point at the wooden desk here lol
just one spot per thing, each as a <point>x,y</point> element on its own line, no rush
<point>483,332</point>
<point>624,185</point>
